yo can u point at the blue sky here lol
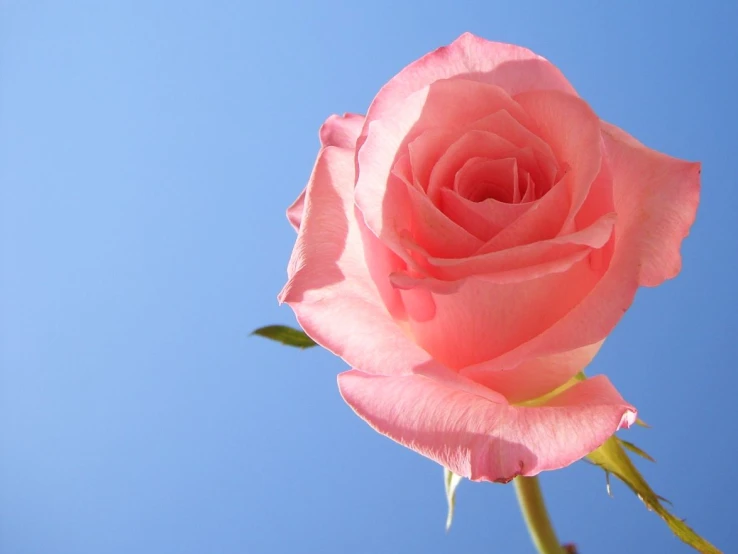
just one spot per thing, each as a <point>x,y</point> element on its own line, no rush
<point>148,151</point>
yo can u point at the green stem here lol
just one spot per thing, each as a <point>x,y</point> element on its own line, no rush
<point>535,515</point>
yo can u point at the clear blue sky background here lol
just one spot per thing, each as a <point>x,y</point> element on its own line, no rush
<point>148,151</point>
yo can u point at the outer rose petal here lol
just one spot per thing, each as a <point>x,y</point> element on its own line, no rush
<point>660,195</point>
<point>341,130</point>
<point>534,378</point>
<point>481,320</point>
<point>510,67</point>
<point>294,212</point>
<point>330,288</point>
<point>479,438</point>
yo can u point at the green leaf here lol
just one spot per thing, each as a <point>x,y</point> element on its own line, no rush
<point>635,450</point>
<point>451,481</point>
<point>286,335</point>
<point>612,457</point>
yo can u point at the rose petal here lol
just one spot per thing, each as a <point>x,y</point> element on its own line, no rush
<point>530,189</point>
<point>417,279</point>
<point>657,196</point>
<point>294,212</point>
<point>341,131</point>
<point>330,288</point>
<point>481,439</point>
<point>482,219</point>
<point>533,378</point>
<point>434,231</point>
<point>572,130</point>
<point>593,237</point>
<point>513,68</point>
<point>380,194</point>
<point>431,144</point>
<point>384,202</point>
<point>514,130</point>
<point>472,144</point>
<point>543,220</point>
<point>482,320</point>
<point>480,179</point>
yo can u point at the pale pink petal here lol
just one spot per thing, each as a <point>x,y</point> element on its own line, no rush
<point>383,203</point>
<point>486,218</point>
<point>403,170</point>
<point>474,144</point>
<point>431,144</point>
<point>514,130</point>
<point>572,130</point>
<point>482,219</point>
<point>330,288</point>
<point>542,220</point>
<point>294,212</point>
<point>496,179</point>
<point>529,188</point>
<point>657,196</point>
<point>434,232</point>
<point>424,151</point>
<point>533,378</point>
<point>341,131</point>
<point>593,237</point>
<point>504,315</point>
<point>417,278</point>
<point>513,68</point>
<point>479,438</point>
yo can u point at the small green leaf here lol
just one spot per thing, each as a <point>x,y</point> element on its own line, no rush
<point>612,457</point>
<point>286,335</point>
<point>635,450</point>
<point>451,481</point>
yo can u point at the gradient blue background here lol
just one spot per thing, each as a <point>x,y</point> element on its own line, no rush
<point>148,151</point>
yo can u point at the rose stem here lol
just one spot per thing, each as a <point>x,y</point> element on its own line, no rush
<point>535,515</point>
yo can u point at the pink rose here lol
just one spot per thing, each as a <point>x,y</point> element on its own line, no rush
<point>467,246</point>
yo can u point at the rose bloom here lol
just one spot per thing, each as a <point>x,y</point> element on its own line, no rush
<point>467,246</point>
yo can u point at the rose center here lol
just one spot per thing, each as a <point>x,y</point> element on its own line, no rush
<point>482,179</point>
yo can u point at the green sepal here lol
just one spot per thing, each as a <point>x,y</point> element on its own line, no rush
<point>451,481</point>
<point>286,335</point>
<point>613,458</point>
<point>635,450</point>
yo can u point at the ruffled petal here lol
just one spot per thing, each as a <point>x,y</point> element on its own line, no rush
<point>533,378</point>
<point>380,192</point>
<point>512,68</point>
<point>434,231</point>
<point>529,255</point>
<point>294,212</point>
<point>543,220</point>
<point>482,219</point>
<point>477,319</point>
<point>330,288</point>
<point>341,131</point>
<point>657,198</point>
<point>572,129</point>
<point>472,144</point>
<point>485,439</point>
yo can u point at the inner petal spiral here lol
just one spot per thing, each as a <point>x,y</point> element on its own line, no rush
<point>480,179</point>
